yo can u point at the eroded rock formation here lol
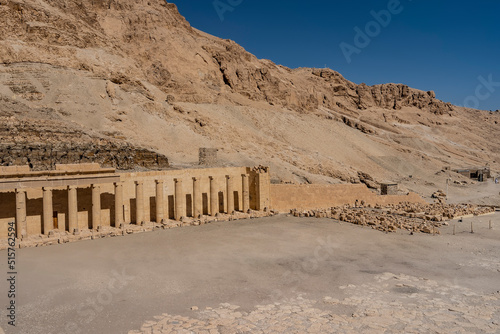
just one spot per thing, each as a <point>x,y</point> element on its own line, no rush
<point>135,75</point>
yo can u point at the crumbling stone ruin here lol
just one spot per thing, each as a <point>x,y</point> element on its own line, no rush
<point>439,196</point>
<point>405,216</point>
<point>44,157</point>
<point>389,189</point>
<point>44,144</point>
<point>478,173</point>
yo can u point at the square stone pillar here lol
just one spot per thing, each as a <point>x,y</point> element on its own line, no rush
<point>180,200</point>
<point>246,192</point>
<point>160,201</point>
<point>72,209</point>
<point>48,211</point>
<point>262,190</point>
<point>96,206</point>
<point>214,197</point>
<point>229,194</point>
<point>21,223</point>
<point>197,198</point>
<point>139,202</point>
<point>118,204</point>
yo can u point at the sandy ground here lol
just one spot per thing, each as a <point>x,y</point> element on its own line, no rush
<point>481,193</point>
<point>260,275</point>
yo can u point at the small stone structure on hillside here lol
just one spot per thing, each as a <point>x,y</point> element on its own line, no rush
<point>479,173</point>
<point>389,189</point>
<point>207,156</point>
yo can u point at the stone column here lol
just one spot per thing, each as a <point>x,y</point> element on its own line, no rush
<point>245,193</point>
<point>180,200</point>
<point>21,223</point>
<point>139,202</point>
<point>229,194</point>
<point>96,206</point>
<point>48,210</point>
<point>197,199</point>
<point>118,204</point>
<point>214,197</point>
<point>160,202</point>
<point>72,209</point>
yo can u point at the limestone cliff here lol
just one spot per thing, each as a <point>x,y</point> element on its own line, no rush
<point>132,41</point>
<point>130,82</point>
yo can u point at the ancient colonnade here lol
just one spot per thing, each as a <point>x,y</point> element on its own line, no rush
<point>180,206</point>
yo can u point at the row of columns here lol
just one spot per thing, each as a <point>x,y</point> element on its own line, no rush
<point>179,210</point>
<point>180,199</point>
<point>47,208</point>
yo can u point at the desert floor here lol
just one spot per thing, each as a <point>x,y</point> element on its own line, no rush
<point>273,275</point>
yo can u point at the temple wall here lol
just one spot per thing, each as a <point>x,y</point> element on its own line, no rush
<point>285,197</point>
<point>258,197</point>
<point>186,175</point>
<point>177,198</point>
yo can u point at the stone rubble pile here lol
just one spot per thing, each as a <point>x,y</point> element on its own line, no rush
<point>58,237</point>
<point>438,211</point>
<point>439,196</point>
<point>406,216</point>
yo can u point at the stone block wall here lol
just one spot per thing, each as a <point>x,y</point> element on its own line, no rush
<point>6,170</point>
<point>46,156</point>
<point>286,197</point>
<point>42,144</point>
<point>389,189</point>
<point>78,167</point>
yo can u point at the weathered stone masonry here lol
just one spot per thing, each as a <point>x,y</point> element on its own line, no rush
<point>85,196</point>
<point>80,197</point>
<point>286,197</point>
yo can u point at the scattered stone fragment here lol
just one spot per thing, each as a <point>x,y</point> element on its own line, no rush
<point>407,216</point>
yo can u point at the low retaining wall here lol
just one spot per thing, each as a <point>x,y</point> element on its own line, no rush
<point>285,197</point>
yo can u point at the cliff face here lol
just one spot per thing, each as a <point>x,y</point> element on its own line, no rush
<point>131,41</point>
<point>118,77</point>
<point>308,89</point>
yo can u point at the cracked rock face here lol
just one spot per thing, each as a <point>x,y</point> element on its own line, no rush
<point>135,76</point>
<point>57,32</point>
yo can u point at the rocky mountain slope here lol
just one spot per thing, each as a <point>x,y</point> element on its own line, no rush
<point>109,75</point>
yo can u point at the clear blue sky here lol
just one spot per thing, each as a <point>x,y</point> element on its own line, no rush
<point>443,46</point>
